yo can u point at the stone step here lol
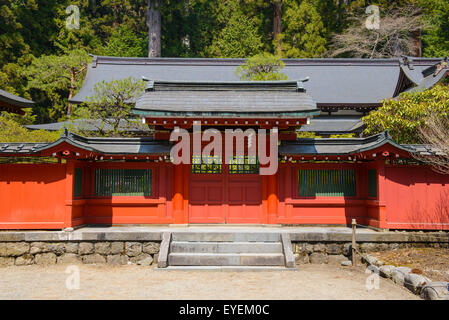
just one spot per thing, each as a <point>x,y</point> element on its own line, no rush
<point>227,236</point>
<point>226,268</point>
<point>226,259</point>
<point>225,247</point>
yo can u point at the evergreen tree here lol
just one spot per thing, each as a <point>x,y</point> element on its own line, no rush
<point>111,104</point>
<point>262,67</point>
<point>303,33</point>
<point>436,36</point>
<point>54,80</point>
<point>238,39</point>
<point>125,43</point>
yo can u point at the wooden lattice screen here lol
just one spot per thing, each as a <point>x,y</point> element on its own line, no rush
<point>327,183</point>
<point>78,182</point>
<point>123,182</point>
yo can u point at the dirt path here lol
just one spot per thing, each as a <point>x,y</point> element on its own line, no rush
<point>135,282</point>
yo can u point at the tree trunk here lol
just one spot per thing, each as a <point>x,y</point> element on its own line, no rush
<point>418,43</point>
<point>71,90</point>
<point>277,23</point>
<point>397,46</point>
<point>154,28</point>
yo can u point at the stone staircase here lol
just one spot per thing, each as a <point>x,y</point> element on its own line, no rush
<point>233,251</point>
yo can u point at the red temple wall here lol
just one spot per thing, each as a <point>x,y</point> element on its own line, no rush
<point>40,196</point>
<point>33,196</point>
<point>416,198</point>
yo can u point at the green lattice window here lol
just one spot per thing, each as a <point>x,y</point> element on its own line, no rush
<point>123,182</point>
<point>244,165</point>
<point>327,183</point>
<point>372,183</point>
<point>78,183</point>
<point>209,164</point>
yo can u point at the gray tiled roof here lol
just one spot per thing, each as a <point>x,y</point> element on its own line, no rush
<point>14,100</point>
<point>427,82</point>
<point>329,146</point>
<point>220,98</point>
<point>84,124</point>
<point>106,146</point>
<point>423,149</point>
<point>332,81</point>
<point>333,125</point>
<point>148,146</point>
<point>18,148</point>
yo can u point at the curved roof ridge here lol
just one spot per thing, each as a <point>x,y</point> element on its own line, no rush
<point>99,58</point>
<point>344,146</point>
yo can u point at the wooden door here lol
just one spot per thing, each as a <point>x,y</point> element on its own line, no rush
<point>225,198</point>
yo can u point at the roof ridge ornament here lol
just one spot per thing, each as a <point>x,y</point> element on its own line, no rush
<point>149,84</point>
<point>66,134</point>
<point>436,68</point>
<point>300,84</point>
<point>440,66</point>
<point>407,61</point>
<point>94,60</point>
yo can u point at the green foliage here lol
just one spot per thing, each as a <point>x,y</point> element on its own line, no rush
<point>436,37</point>
<point>262,67</point>
<point>11,131</point>
<point>404,116</point>
<point>56,78</point>
<point>307,135</point>
<point>111,104</point>
<point>303,33</point>
<point>238,39</point>
<point>27,118</point>
<point>125,43</point>
<point>342,136</point>
<point>35,43</point>
<point>12,43</point>
<point>313,135</point>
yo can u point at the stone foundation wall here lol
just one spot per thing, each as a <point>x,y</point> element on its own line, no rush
<point>145,253</point>
<point>336,252</point>
<point>71,252</point>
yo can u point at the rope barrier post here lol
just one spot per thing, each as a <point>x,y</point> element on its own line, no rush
<point>354,223</point>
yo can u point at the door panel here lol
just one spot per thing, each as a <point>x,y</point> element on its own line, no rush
<point>206,198</point>
<point>244,199</point>
<point>225,198</point>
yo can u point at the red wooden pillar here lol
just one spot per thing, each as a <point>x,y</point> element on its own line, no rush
<point>381,193</point>
<point>69,176</point>
<point>272,198</point>
<point>186,193</point>
<point>178,194</point>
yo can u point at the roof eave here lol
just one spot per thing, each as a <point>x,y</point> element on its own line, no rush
<point>226,114</point>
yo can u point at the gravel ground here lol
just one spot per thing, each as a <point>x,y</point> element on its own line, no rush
<point>136,282</point>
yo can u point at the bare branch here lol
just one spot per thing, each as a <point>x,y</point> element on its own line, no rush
<point>394,37</point>
<point>435,136</point>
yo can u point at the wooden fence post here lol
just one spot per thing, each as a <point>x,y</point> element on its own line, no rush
<point>354,262</point>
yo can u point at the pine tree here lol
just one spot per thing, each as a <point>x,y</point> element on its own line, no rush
<point>238,39</point>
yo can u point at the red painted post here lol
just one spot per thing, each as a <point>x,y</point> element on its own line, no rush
<point>381,193</point>
<point>178,194</point>
<point>272,199</point>
<point>186,193</point>
<point>70,172</point>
